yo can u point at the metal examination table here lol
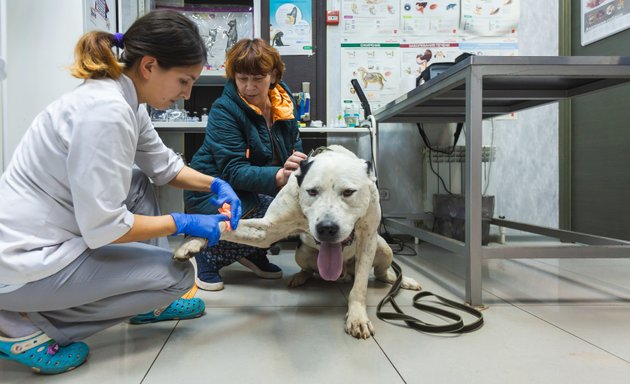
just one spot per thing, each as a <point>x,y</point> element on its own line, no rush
<point>481,87</point>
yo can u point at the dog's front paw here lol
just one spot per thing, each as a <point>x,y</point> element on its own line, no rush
<point>189,248</point>
<point>358,324</point>
<point>299,279</point>
<point>406,283</point>
<point>409,283</point>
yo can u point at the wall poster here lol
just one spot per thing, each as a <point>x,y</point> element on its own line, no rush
<point>99,15</point>
<point>602,18</point>
<point>291,24</point>
<point>386,44</point>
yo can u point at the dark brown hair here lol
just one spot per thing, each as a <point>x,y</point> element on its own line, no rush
<point>253,57</point>
<point>170,37</point>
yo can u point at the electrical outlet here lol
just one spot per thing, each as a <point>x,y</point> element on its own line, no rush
<point>383,193</point>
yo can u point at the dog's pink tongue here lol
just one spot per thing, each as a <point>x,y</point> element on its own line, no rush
<point>330,261</point>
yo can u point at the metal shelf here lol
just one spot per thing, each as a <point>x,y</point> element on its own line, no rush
<point>200,127</point>
<point>509,84</point>
<point>334,130</point>
<point>482,87</point>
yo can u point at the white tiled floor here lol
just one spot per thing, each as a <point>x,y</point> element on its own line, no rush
<point>548,321</point>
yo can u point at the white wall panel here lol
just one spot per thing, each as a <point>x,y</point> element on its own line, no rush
<point>40,39</point>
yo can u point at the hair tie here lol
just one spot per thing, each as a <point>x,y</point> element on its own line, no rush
<point>118,40</point>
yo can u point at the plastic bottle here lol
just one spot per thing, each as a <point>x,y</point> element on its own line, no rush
<point>204,115</point>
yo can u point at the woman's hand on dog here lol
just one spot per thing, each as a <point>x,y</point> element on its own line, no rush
<point>292,164</point>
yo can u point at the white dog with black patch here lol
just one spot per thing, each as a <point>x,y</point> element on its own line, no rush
<point>332,202</point>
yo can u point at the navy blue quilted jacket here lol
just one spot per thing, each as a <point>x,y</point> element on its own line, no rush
<point>240,149</point>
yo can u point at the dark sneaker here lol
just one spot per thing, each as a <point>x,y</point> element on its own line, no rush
<point>207,279</point>
<point>261,266</point>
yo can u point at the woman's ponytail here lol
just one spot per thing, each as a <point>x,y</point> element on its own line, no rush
<point>94,58</point>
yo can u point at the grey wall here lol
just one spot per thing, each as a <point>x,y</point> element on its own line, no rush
<point>600,133</point>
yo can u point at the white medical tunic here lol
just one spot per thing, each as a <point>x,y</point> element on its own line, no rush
<point>64,189</point>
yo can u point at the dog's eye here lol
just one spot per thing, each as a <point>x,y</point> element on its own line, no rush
<point>312,192</point>
<point>348,192</point>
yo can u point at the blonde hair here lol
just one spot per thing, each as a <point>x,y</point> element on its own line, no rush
<point>94,58</point>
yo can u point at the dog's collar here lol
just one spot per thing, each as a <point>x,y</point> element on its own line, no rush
<point>316,151</point>
<point>348,241</point>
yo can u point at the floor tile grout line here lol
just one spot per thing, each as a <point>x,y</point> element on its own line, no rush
<point>571,333</point>
<point>390,360</point>
<point>159,352</point>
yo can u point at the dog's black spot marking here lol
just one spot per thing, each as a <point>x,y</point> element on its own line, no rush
<point>304,167</point>
<point>369,167</point>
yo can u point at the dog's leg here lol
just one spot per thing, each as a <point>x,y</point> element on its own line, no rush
<point>282,219</point>
<point>382,262</point>
<point>306,258</point>
<point>358,323</point>
<point>189,248</point>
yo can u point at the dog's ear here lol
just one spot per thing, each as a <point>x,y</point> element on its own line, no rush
<point>369,167</point>
<point>370,170</point>
<point>304,167</point>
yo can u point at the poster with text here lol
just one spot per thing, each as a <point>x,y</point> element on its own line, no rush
<point>490,17</point>
<point>370,17</point>
<point>602,18</point>
<point>376,66</point>
<point>487,46</point>
<point>417,55</point>
<point>438,17</point>
<point>100,15</point>
<point>291,26</point>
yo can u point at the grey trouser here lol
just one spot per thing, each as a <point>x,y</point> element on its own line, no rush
<point>105,286</point>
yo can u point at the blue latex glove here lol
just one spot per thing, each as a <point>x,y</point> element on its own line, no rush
<point>206,226</point>
<point>225,194</point>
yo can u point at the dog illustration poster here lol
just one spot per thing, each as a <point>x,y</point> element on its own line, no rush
<point>602,18</point>
<point>220,28</point>
<point>490,17</point>
<point>416,56</point>
<point>370,17</point>
<point>291,26</point>
<point>437,17</point>
<point>377,68</point>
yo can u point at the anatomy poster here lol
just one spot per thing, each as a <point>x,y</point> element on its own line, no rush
<point>370,17</point>
<point>376,66</point>
<point>437,17</point>
<point>489,17</point>
<point>417,55</point>
<point>386,44</point>
<point>602,18</point>
<point>291,26</point>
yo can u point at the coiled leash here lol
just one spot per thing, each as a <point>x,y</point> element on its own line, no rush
<point>457,326</point>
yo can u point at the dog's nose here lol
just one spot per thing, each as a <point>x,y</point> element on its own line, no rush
<point>327,230</point>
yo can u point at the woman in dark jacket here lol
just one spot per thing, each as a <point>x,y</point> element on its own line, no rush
<point>252,141</point>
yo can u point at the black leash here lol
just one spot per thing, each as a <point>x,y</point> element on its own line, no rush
<point>457,326</point>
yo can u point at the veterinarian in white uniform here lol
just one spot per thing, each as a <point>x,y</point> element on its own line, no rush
<point>79,224</point>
